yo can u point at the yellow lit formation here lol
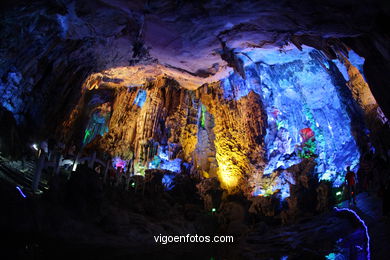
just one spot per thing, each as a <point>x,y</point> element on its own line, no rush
<point>228,174</point>
<point>232,162</point>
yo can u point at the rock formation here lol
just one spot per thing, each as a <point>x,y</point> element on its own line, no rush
<point>201,117</point>
<point>241,95</point>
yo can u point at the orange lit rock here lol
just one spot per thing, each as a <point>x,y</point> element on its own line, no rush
<point>360,90</point>
<point>219,137</point>
<point>168,115</point>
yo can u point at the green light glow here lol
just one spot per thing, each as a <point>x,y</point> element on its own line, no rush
<point>213,210</point>
<point>308,149</point>
<point>87,134</point>
<point>139,168</point>
<point>311,145</point>
<point>203,116</point>
<point>331,256</point>
<point>155,163</point>
<point>280,124</point>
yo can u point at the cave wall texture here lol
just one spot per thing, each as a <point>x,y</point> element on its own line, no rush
<point>291,105</point>
<point>224,88</point>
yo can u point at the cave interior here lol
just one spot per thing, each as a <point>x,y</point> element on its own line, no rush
<point>121,121</point>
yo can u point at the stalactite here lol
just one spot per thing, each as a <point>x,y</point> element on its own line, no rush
<point>247,132</point>
<point>238,144</point>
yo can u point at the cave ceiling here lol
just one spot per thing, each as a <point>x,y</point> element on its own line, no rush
<point>197,42</point>
<point>129,43</point>
<point>197,36</point>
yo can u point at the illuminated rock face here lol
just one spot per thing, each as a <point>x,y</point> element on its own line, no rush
<point>98,122</point>
<point>48,50</point>
<point>153,126</point>
<point>163,126</point>
<point>12,95</point>
<point>299,95</point>
<point>204,153</point>
<point>304,94</point>
<point>249,132</point>
<point>239,130</point>
<point>274,110</point>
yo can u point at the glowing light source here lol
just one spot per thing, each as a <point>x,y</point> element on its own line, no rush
<point>87,135</point>
<point>167,181</point>
<point>228,173</point>
<point>362,223</point>
<point>21,192</point>
<point>161,161</point>
<point>35,147</point>
<point>74,168</point>
<point>139,169</point>
<point>117,162</point>
<point>155,163</point>
<point>333,256</point>
<point>213,210</point>
<point>171,165</point>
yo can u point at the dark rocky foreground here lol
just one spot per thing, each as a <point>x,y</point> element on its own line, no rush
<point>84,218</point>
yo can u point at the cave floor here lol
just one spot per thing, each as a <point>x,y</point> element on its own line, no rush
<point>311,236</point>
<point>332,235</point>
<point>21,175</point>
<point>369,208</point>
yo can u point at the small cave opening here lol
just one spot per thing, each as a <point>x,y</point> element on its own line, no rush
<point>98,112</point>
<point>91,116</point>
<point>208,130</point>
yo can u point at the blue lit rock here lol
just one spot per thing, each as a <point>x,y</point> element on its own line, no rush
<point>141,98</point>
<point>297,92</point>
<point>167,181</point>
<point>162,161</point>
<point>11,94</point>
<point>98,123</point>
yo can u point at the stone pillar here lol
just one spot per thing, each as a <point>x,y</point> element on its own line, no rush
<point>38,171</point>
<point>131,167</point>
<point>118,176</point>
<point>106,170</point>
<point>76,161</point>
<point>91,161</point>
<point>58,165</point>
<point>128,174</point>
